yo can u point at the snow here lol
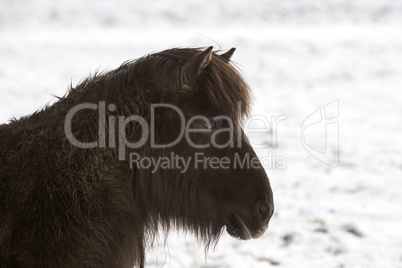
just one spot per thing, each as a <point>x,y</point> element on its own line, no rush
<point>298,57</point>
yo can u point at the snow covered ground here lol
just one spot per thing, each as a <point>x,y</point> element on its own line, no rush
<point>298,56</point>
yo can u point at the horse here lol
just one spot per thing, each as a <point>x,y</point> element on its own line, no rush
<point>78,187</point>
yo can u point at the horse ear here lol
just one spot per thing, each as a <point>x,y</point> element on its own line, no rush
<point>227,55</point>
<point>194,66</point>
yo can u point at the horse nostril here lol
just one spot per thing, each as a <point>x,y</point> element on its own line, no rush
<point>263,210</point>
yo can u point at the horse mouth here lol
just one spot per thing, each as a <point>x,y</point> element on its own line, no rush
<point>237,228</point>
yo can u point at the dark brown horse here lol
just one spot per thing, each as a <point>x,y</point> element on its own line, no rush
<point>156,143</point>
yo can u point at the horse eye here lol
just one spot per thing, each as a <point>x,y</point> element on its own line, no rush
<point>212,125</point>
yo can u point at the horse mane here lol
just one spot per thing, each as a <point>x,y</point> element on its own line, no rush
<point>222,82</point>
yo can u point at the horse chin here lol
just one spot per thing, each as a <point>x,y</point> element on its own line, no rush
<point>237,228</point>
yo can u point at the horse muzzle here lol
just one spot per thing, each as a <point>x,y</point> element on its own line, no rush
<point>251,224</point>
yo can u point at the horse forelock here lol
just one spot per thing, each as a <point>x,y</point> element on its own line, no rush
<point>226,89</point>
